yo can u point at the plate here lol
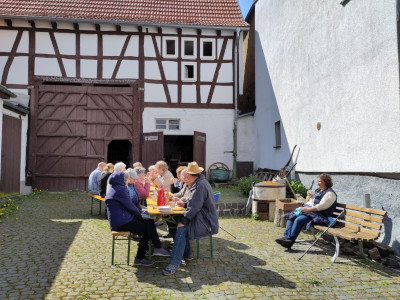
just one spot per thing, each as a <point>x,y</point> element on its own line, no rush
<point>164,208</point>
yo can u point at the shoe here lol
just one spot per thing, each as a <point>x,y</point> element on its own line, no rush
<point>284,242</point>
<point>188,258</point>
<point>135,237</point>
<point>170,269</point>
<point>143,262</point>
<point>161,252</point>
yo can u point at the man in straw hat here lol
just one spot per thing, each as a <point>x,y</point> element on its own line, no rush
<point>200,218</point>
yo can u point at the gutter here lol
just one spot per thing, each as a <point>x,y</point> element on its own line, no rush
<point>7,92</point>
<point>117,22</point>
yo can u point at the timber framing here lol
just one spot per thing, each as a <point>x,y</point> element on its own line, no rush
<point>156,38</point>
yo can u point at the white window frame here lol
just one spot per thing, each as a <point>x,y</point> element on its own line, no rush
<point>194,40</point>
<point>164,46</point>
<point>202,48</point>
<point>184,64</point>
<point>167,120</point>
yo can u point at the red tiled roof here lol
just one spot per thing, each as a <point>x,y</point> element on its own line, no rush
<point>224,13</point>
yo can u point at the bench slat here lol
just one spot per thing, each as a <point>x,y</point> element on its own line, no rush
<point>364,216</point>
<point>363,223</point>
<point>120,233</point>
<point>363,209</point>
<point>370,232</point>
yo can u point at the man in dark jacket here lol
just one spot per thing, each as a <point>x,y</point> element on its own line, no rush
<point>124,216</point>
<point>199,220</point>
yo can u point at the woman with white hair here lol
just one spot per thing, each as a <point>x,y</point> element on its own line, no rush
<point>164,176</point>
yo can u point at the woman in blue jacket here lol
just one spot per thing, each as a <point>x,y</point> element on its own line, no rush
<point>124,216</point>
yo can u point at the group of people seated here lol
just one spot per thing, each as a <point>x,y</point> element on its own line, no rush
<point>125,191</point>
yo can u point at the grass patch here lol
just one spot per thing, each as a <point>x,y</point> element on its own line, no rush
<point>229,194</point>
<point>314,281</point>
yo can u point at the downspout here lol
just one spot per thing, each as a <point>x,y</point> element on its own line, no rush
<point>235,117</point>
<point>235,100</point>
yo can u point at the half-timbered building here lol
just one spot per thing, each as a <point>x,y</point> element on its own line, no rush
<point>122,80</point>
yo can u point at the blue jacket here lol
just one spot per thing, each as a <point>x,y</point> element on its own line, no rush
<point>93,184</point>
<point>134,195</point>
<point>120,209</point>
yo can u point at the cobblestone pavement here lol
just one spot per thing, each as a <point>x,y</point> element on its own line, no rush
<point>57,250</point>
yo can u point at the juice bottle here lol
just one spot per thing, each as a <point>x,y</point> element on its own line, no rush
<point>161,200</point>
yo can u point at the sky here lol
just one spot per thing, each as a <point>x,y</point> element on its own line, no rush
<point>245,6</point>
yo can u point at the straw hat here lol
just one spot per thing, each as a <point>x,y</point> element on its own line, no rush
<point>193,168</point>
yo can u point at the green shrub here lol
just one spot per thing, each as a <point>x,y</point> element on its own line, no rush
<point>246,183</point>
<point>298,187</point>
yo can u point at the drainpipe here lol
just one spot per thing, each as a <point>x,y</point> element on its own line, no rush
<point>235,98</point>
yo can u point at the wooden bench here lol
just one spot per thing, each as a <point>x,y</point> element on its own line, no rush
<point>355,224</point>
<point>97,198</point>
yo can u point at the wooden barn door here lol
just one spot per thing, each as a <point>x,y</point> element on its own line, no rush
<point>57,137</point>
<point>152,148</point>
<point>71,127</point>
<point>113,113</point>
<point>10,155</point>
<point>199,148</point>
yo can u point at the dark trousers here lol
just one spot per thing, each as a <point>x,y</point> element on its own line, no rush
<point>147,229</point>
<point>172,224</point>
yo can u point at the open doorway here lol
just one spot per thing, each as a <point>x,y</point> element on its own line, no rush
<point>120,150</point>
<point>177,148</point>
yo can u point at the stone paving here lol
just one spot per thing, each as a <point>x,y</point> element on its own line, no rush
<point>57,250</point>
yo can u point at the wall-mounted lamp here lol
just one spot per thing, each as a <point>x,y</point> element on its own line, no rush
<point>318,125</point>
<point>344,2</point>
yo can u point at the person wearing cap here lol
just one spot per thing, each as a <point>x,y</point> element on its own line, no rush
<point>200,218</point>
<point>124,216</point>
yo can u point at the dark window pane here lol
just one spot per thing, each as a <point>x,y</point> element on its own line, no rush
<point>161,124</point>
<point>207,48</point>
<point>278,134</point>
<point>189,71</point>
<point>171,47</point>
<point>173,124</point>
<point>189,48</point>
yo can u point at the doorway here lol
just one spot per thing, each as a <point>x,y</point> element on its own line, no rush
<point>177,149</point>
<point>120,150</point>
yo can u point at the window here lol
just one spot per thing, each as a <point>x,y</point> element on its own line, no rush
<point>277,134</point>
<point>189,71</point>
<point>168,124</point>
<point>207,48</point>
<point>173,124</point>
<point>161,124</point>
<point>169,48</point>
<point>189,48</point>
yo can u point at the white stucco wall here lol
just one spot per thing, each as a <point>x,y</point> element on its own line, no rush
<point>246,139</point>
<point>323,62</point>
<point>216,123</point>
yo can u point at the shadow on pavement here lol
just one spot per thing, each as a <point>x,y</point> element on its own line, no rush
<point>31,256</point>
<point>230,264</point>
